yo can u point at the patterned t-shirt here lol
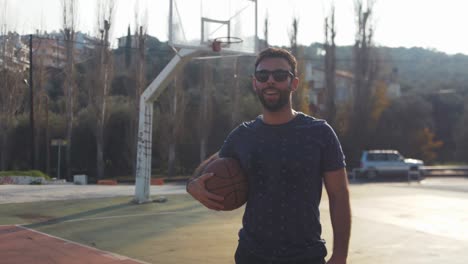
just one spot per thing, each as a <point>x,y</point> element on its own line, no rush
<point>285,164</point>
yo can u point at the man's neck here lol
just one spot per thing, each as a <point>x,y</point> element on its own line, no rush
<point>280,117</point>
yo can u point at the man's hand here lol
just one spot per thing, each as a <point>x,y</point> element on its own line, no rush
<point>197,189</point>
<point>336,184</point>
<point>336,260</point>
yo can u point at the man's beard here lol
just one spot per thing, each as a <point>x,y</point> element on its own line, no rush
<point>276,105</point>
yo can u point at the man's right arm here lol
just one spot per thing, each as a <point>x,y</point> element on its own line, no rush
<point>196,186</point>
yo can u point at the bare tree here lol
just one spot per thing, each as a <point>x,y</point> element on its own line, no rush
<point>141,82</point>
<point>236,93</point>
<point>138,73</point>
<point>294,49</point>
<point>330,67</point>
<point>206,104</point>
<point>12,92</point>
<point>12,86</point>
<point>365,73</point>
<point>176,122</point>
<point>293,36</point>
<point>128,48</point>
<point>103,80</point>
<point>41,113</point>
<point>266,27</point>
<point>69,13</point>
<point>11,102</point>
<point>300,99</point>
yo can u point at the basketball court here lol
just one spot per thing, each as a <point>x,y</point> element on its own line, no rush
<point>392,223</point>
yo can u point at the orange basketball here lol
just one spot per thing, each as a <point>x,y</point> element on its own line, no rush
<point>229,181</point>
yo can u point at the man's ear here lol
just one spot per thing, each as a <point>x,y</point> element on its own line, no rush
<point>294,84</point>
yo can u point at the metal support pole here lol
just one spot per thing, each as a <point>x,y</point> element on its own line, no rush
<point>145,122</point>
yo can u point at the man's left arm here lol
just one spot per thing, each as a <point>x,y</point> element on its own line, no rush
<point>336,184</point>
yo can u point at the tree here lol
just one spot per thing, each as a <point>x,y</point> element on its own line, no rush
<point>41,112</point>
<point>380,102</point>
<point>365,72</point>
<point>12,94</point>
<point>140,85</point>
<point>176,121</point>
<point>447,112</point>
<point>300,99</point>
<point>330,67</point>
<point>103,81</point>
<point>406,125</point>
<point>69,13</point>
<point>461,135</point>
<point>236,93</point>
<point>206,105</point>
<point>9,91</point>
<point>265,32</point>
<point>428,145</point>
<point>128,48</point>
<point>293,36</point>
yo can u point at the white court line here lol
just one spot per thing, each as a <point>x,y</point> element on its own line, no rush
<point>15,225</point>
<point>103,252</point>
<point>118,216</point>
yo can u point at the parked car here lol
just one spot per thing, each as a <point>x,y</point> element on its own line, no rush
<point>376,163</point>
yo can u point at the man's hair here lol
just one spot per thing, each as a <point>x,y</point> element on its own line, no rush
<point>277,53</point>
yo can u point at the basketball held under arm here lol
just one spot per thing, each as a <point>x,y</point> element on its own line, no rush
<point>202,166</point>
<point>196,186</point>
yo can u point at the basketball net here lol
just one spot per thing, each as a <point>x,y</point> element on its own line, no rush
<point>216,46</point>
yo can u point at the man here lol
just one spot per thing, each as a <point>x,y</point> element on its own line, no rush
<point>287,155</point>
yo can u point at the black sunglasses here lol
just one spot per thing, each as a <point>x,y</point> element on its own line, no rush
<point>278,75</point>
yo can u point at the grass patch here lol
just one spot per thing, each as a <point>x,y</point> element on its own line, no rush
<point>32,173</point>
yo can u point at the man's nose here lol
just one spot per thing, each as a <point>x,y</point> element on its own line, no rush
<point>270,78</point>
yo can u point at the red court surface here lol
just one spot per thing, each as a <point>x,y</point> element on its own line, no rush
<point>20,245</point>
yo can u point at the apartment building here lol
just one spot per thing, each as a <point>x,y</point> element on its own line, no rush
<point>14,54</point>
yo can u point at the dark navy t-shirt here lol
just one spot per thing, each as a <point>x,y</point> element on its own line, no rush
<point>285,164</point>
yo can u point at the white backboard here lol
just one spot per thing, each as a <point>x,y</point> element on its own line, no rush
<point>196,23</point>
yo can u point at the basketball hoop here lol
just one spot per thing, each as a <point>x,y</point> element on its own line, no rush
<point>224,42</point>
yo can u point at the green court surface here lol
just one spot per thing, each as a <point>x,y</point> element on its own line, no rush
<point>177,231</point>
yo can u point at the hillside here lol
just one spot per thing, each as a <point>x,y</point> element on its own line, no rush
<point>420,70</point>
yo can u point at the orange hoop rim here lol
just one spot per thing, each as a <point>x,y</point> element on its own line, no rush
<point>223,42</point>
<point>228,40</point>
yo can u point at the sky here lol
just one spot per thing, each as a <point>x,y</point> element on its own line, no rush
<point>433,24</point>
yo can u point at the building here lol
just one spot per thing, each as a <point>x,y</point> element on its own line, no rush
<point>316,78</point>
<point>14,54</point>
<point>49,50</point>
<point>85,45</point>
<point>344,87</point>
